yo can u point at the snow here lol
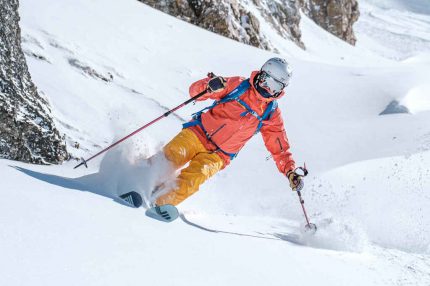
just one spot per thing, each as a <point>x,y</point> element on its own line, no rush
<point>416,6</point>
<point>369,174</point>
<point>418,99</point>
<point>395,29</point>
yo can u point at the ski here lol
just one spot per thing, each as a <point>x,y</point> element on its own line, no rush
<point>165,213</point>
<point>133,199</point>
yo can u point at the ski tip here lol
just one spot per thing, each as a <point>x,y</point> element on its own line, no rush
<point>164,213</point>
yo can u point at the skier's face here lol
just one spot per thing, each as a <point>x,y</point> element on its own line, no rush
<point>270,85</point>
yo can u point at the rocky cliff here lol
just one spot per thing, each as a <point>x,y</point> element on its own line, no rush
<point>232,18</point>
<point>335,16</point>
<point>235,19</point>
<point>27,131</point>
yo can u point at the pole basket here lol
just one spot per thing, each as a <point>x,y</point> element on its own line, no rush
<point>83,162</point>
<point>311,228</point>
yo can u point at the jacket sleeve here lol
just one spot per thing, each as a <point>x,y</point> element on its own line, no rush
<point>202,84</point>
<point>276,141</point>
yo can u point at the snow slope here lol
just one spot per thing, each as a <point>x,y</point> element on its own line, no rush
<point>112,66</point>
<point>395,29</point>
<point>63,236</point>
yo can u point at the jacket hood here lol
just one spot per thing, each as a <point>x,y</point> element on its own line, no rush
<point>262,98</point>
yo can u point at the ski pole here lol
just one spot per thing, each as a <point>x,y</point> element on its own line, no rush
<point>302,202</point>
<point>309,225</point>
<point>167,113</point>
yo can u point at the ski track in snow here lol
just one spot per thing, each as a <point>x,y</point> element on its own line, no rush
<point>108,67</point>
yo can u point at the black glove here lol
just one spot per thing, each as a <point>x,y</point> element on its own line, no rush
<point>216,83</point>
<point>296,181</point>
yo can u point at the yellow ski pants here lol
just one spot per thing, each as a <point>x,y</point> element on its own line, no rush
<point>184,148</point>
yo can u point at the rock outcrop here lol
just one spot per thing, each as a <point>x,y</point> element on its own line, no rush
<point>233,18</point>
<point>27,131</point>
<point>335,16</point>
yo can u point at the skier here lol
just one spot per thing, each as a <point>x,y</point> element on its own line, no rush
<point>214,136</point>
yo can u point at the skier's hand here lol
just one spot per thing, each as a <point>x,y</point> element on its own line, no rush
<point>216,83</point>
<point>296,181</point>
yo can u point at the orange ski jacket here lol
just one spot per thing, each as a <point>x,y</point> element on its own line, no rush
<point>229,129</point>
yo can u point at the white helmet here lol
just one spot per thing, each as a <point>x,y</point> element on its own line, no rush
<point>274,76</point>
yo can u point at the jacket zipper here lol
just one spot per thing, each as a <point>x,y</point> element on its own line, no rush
<point>215,132</point>
<point>280,145</point>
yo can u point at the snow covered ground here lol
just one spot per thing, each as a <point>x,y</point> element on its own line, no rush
<point>395,29</point>
<point>108,67</point>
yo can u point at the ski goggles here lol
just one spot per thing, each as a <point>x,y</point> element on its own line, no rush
<point>270,84</point>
